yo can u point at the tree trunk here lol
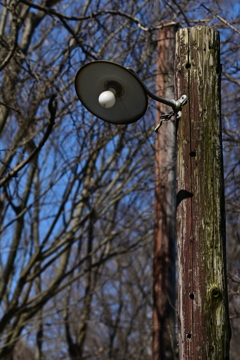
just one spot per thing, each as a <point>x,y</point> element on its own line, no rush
<point>204,331</point>
<point>164,294</point>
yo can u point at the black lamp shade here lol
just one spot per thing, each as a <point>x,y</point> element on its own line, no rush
<point>98,76</point>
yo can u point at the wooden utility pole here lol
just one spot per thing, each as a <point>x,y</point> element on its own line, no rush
<point>164,292</point>
<point>204,331</point>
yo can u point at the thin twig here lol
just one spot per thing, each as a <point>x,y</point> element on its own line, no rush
<point>9,107</point>
<point>221,19</point>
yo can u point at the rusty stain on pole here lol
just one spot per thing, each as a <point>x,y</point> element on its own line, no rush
<point>165,208</point>
<point>204,331</point>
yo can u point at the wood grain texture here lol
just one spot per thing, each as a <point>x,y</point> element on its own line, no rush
<point>204,331</point>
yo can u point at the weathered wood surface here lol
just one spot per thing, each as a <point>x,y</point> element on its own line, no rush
<point>164,271</point>
<point>204,330</point>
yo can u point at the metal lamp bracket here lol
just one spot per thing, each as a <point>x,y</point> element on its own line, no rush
<point>176,105</point>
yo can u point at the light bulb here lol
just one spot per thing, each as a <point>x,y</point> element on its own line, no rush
<point>107,98</point>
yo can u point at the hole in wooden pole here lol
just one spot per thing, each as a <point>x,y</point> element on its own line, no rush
<point>187,66</point>
<point>189,336</point>
<point>191,296</point>
<point>193,153</point>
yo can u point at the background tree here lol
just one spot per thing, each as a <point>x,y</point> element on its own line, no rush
<point>76,197</point>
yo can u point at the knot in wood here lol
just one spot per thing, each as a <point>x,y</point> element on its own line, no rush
<point>215,291</point>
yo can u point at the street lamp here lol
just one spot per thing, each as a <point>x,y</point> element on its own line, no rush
<point>116,94</point>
